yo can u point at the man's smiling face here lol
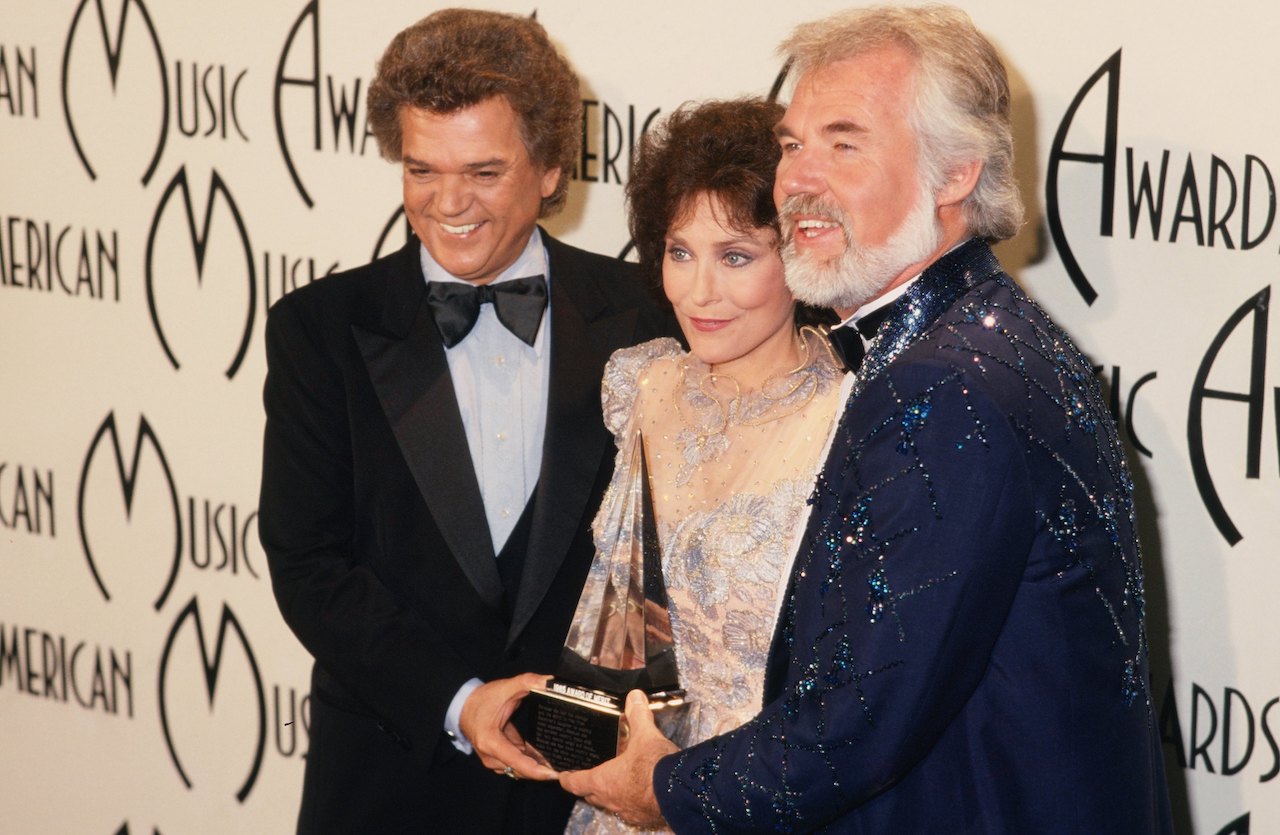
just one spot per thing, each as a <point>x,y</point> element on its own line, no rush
<point>471,192</point>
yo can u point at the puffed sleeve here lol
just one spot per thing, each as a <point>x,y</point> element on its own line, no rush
<point>621,383</point>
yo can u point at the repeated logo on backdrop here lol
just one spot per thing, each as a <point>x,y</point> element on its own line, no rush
<point>144,554</point>
<point>92,39</point>
<point>189,621</point>
<point>127,495</point>
<point>1217,202</point>
<point>195,271</point>
<point>1223,203</point>
<point>18,78</point>
<point>128,491</point>
<point>1150,195</point>
<point>59,258</point>
<point>319,101</point>
<point>120,91</point>
<point>66,669</point>
<point>26,499</point>
<point>199,235</point>
<point>1221,730</point>
<point>40,254</point>
<point>146,539</point>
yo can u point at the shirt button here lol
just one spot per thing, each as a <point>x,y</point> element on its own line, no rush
<point>502,436</point>
<point>500,360</point>
<point>506,514</point>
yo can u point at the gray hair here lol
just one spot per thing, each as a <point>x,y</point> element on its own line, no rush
<point>960,111</point>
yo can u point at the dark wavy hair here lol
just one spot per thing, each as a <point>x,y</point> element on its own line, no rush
<point>456,58</point>
<point>725,149</point>
<point>722,148</point>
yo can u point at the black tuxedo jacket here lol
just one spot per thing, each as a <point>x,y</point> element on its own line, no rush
<point>379,550</point>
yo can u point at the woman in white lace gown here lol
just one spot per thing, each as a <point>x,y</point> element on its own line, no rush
<point>734,428</point>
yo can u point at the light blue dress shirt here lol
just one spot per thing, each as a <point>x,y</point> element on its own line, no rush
<point>501,385</point>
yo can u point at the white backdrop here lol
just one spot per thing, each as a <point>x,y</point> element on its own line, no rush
<point>167,169</point>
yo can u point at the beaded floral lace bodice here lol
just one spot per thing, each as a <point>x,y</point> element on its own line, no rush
<point>730,476</point>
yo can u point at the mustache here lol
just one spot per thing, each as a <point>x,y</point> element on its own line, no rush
<point>808,204</point>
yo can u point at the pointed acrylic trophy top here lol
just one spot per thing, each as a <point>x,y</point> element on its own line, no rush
<point>620,637</point>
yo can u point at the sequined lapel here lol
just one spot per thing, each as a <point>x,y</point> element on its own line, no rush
<point>925,300</point>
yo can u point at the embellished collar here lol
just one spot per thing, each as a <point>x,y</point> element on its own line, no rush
<point>708,418</point>
<point>925,299</point>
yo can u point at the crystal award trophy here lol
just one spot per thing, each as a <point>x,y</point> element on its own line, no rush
<point>620,640</point>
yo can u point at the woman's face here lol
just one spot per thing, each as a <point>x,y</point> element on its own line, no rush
<point>728,293</point>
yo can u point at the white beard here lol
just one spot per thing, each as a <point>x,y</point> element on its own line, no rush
<point>859,274</point>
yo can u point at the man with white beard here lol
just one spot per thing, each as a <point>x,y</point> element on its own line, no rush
<point>962,646</point>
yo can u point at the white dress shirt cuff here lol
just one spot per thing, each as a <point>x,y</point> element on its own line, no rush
<point>453,716</point>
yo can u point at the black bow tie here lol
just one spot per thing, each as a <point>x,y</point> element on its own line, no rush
<point>846,341</point>
<point>519,304</point>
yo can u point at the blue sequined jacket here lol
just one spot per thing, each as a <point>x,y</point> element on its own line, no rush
<point>962,646</point>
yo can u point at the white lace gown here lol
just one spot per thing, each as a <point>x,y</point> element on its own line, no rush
<point>730,477</point>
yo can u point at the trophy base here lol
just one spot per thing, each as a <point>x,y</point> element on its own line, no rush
<point>576,727</point>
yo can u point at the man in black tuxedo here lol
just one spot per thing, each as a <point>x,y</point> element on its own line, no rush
<point>434,447</point>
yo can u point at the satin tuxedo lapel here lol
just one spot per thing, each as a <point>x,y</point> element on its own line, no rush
<point>584,332</point>
<point>406,361</point>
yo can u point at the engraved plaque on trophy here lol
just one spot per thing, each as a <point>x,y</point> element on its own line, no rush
<point>620,640</point>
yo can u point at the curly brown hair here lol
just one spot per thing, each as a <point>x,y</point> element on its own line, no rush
<point>721,148</point>
<point>456,58</point>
